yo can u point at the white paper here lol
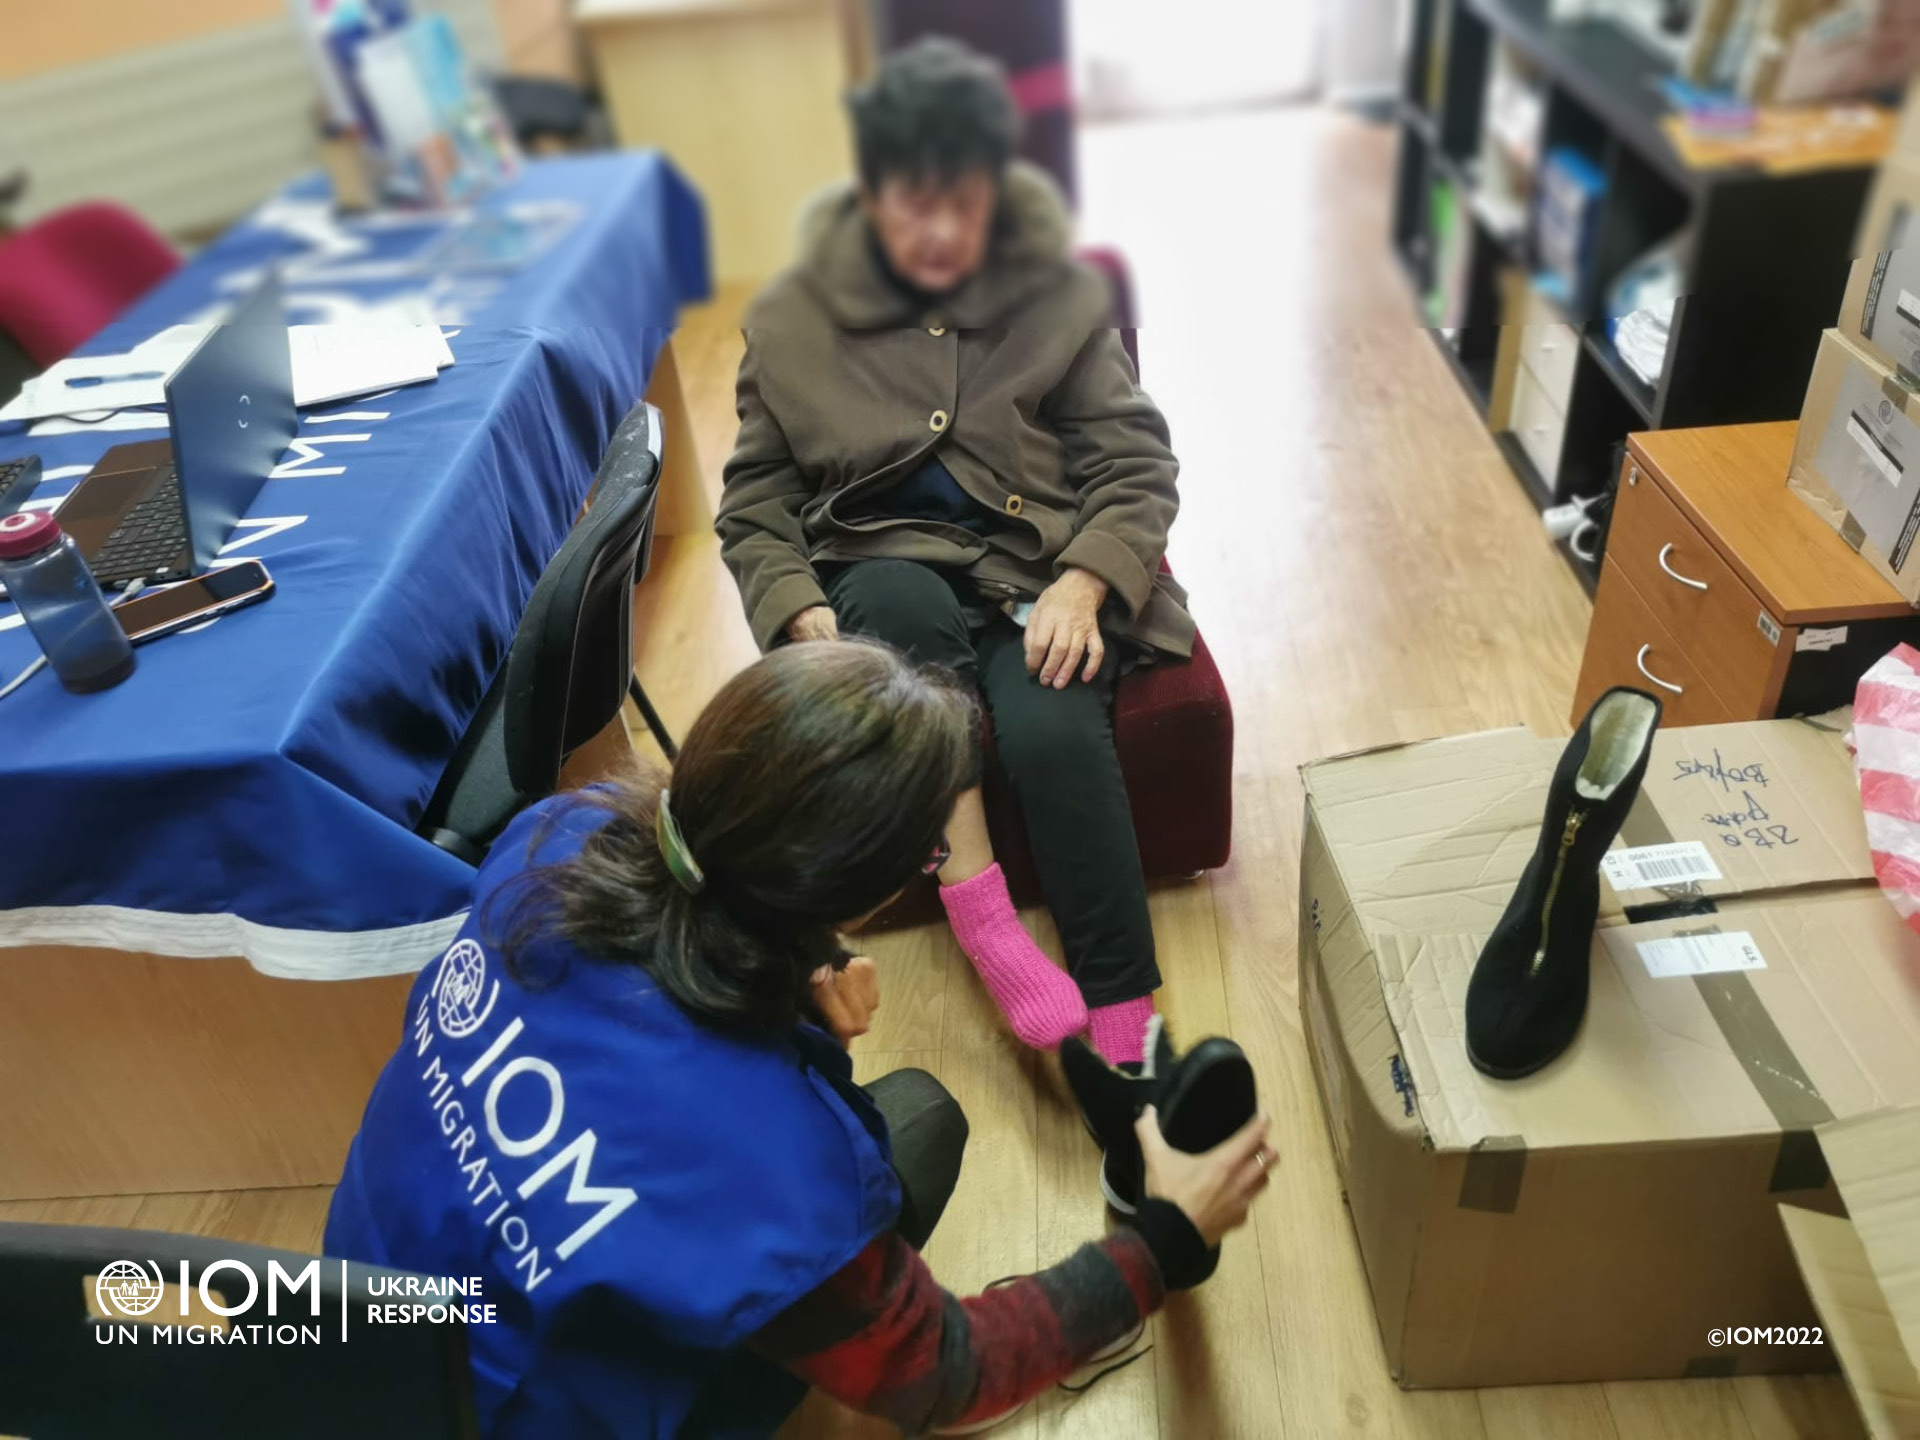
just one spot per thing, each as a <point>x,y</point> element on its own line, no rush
<point>333,362</point>
<point>1700,954</point>
<point>1650,867</point>
<point>117,382</point>
<point>1821,638</point>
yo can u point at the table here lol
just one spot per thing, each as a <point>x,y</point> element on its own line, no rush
<point>1723,593</point>
<point>746,95</point>
<point>244,803</point>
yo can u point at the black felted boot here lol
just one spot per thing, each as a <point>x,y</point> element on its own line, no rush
<point>1528,994</point>
<point>1203,1098</point>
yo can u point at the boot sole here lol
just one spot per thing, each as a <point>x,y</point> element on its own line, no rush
<point>1512,1072</point>
<point>1213,1098</point>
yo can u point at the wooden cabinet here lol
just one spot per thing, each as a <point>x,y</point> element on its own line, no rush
<point>745,96</point>
<point>1723,593</point>
<point>1692,592</point>
<point>1627,645</point>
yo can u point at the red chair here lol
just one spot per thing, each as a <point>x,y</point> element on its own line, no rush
<point>68,275</point>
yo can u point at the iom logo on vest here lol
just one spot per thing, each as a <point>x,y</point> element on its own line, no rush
<point>503,1116</point>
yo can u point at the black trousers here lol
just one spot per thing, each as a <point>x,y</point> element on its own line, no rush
<point>752,1396</point>
<point>929,1132</point>
<point>1056,747</point>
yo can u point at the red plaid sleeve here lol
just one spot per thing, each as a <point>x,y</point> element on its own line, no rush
<point>884,1338</point>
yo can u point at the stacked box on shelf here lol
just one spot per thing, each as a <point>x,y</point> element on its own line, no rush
<point>1895,199</point>
<point>1566,219</point>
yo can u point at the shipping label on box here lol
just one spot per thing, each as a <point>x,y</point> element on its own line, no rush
<point>1769,805</point>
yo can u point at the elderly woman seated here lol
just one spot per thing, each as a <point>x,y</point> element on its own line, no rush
<point>943,445</point>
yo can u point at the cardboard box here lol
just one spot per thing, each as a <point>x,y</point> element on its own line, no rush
<point>1856,459</point>
<point>1881,311</point>
<point>1864,1271</point>
<point>1597,1220</point>
<point>1892,206</point>
<point>1906,139</point>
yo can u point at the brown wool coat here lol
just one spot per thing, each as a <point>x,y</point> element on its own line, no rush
<point>1019,379</point>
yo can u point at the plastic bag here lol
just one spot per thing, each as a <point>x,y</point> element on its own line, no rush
<point>1886,751</point>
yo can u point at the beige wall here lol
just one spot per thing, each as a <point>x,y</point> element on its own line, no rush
<point>537,38</point>
<point>536,35</point>
<point>42,37</point>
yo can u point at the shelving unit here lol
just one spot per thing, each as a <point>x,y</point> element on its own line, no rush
<point>1763,272</point>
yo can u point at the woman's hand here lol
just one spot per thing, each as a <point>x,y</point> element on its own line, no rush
<point>847,998</point>
<point>817,622</point>
<point>1065,627</point>
<point>1214,1189</point>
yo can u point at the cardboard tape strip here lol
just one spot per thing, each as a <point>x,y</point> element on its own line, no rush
<point>1495,1169</point>
<point>1756,1042</point>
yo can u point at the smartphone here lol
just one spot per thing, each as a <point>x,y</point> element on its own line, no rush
<point>193,602</point>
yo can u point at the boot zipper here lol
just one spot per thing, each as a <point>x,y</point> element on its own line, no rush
<point>1567,836</point>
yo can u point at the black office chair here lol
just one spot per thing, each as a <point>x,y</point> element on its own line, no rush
<point>543,112</point>
<point>58,1381</point>
<point>570,667</point>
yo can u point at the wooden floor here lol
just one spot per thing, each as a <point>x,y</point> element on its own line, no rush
<point>1366,570</point>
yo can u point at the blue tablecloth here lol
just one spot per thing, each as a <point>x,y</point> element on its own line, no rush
<point>252,788</point>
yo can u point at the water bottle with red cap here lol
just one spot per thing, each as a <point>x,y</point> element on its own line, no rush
<point>61,602</point>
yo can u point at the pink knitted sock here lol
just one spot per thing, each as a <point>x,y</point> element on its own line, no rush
<point>1039,999</point>
<point>1119,1032</point>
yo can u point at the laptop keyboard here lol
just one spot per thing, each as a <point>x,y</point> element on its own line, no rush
<point>18,480</point>
<point>149,540</point>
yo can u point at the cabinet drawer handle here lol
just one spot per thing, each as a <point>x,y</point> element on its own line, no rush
<point>1633,475</point>
<point>1666,550</point>
<point>1641,661</point>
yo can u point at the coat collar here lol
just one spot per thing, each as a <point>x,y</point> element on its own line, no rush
<point>1032,233</point>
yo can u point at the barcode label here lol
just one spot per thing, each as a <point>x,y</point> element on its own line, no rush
<point>1700,954</point>
<point>1650,867</point>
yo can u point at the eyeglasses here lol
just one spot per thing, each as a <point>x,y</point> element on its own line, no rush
<point>942,853</point>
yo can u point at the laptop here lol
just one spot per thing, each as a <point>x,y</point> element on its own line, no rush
<point>160,510</point>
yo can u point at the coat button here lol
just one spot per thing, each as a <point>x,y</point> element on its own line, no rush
<point>936,330</point>
<point>1015,504</point>
<point>937,421</point>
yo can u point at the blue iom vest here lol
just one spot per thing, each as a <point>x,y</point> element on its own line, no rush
<point>638,1193</point>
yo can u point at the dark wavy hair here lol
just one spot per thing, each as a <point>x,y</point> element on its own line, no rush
<point>811,789</point>
<point>933,111</point>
